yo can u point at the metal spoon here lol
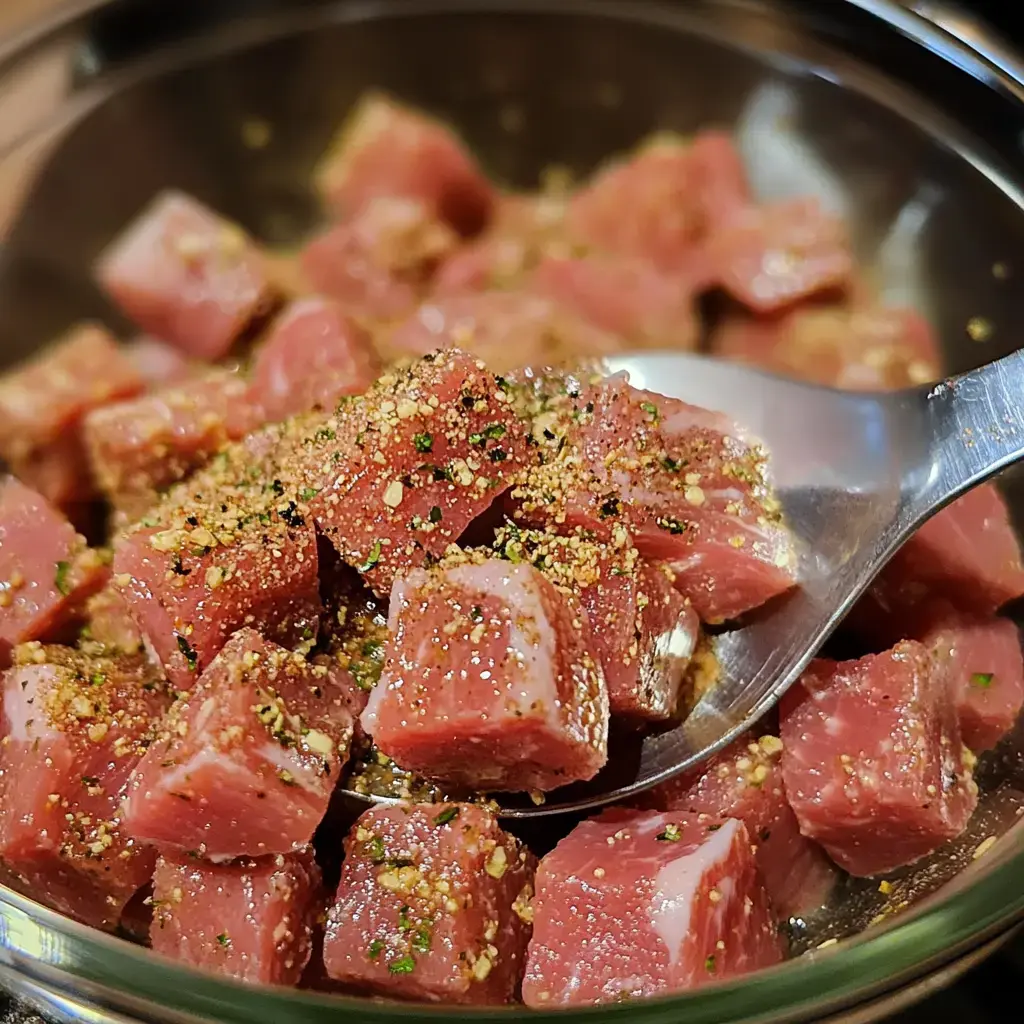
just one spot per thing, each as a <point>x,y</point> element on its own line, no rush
<point>856,474</point>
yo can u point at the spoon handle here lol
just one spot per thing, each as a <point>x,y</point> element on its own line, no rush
<point>974,429</point>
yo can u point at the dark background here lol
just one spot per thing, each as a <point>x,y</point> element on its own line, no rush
<point>991,994</point>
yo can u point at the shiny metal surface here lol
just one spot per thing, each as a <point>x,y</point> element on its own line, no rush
<point>910,133</point>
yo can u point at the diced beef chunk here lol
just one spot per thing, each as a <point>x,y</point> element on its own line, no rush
<point>645,207</point>
<point>861,348</point>
<point>42,404</point>
<point>489,681</point>
<point>402,471</point>
<point>505,329</point>
<point>228,549</point>
<point>683,481</point>
<point>186,276</point>
<point>626,297</point>
<point>642,630</point>
<point>139,448</point>
<point>745,782</point>
<point>46,569</point>
<point>771,256</point>
<point>157,362</point>
<point>378,263</point>
<point>983,656</point>
<point>967,554</point>
<point>385,149</point>
<point>246,762</point>
<point>250,919</point>
<point>74,728</point>
<point>524,228</point>
<point>431,906</point>
<point>313,355</point>
<point>874,766</point>
<point>637,903</point>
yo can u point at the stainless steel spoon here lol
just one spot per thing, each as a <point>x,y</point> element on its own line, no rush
<point>856,474</point>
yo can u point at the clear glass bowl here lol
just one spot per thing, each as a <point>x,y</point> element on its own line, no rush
<point>910,132</point>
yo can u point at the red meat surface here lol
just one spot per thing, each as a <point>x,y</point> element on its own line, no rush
<point>186,276</point>
<point>229,549</point>
<point>489,682</point>
<point>42,404</point>
<point>745,782</point>
<point>313,355</point>
<point>644,634</point>
<point>412,463</point>
<point>157,362</point>
<point>140,447</point>
<point>250,919</point>
<point>385,149</point>
<point>630,298</point>
<point>431,906</point>
<point>859,348</point>
<point>46,569</point>
<point>638,903</point>
<point>873,762</point>
<point>74,727</point>
<point>378,263</point>
<point>769,257</point>
<point>246,762</point>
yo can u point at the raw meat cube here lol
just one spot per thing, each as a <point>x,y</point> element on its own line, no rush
<point>157,362</point>
<point>139,448</point>
<point>646,207</point>
<point>489,682</point>
<point>247,761</point>
<point>745,782</point>
<point>874,766</point>
<point>109,629</point>
<point>230,548</point>
<point>693,492</point>
<point>643,631</point>
<point>42,404</point>
<point>46,570</point>
<point>186,276</point>
<point>402,471</point>
<point>313,355</point>
<point>504,329</point>
<point>431,906</point>
<point>378,263</point>
<point>524,228</point>
<point>74,727</point>
<point>721,178</point>
<point>860,348</point>
<point>968,554</point>
<point>771,256</point>
<point>627,297</point>
<point>637,903</point>
<point>385,149</point>
<point>250,919</point>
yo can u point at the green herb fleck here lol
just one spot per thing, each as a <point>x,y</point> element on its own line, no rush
<point>476,613</point>
<point>709,964</point>
<point>404,924</point>
<point>423,442</point>
<point>447,815</point>
<point>60,578</point>
<point>89,781</point>
<point>435,514</point>
<point>375,949</point>
<point>324,434</point>
<point>191,657</point>
<point>983,680</point>
<point>490,433</point>
<point>375,849</point>
<point>670,835</point>
<point>223,940</point>
<point>674,526</point>
<point>670,464</point>
<point>652,410</point>
<point>97,679</point>
<point>503,384</point>
<point>403,965</point>
<point>372,560</point>
<point>422,939</point>
<point>611,506</point>
<point>309,493</point>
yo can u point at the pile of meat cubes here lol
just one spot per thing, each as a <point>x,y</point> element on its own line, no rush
<point>365,502</point>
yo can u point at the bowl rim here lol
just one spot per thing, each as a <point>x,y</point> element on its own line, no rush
<point>60,954</point>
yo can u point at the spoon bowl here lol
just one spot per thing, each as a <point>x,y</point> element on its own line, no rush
<point>856,474</point>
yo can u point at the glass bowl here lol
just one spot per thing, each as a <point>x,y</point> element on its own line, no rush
<point>909,131</point>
